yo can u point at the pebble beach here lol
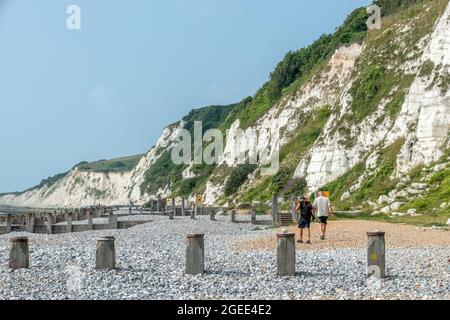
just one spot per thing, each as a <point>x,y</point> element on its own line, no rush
<point>151,260</point>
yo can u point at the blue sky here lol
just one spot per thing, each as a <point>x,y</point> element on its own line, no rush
<point>109,89</point>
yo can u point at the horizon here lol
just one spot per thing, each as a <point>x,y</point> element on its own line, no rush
<point>132,55</point>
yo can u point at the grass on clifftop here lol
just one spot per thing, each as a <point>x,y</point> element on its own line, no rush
<point>297,67</point>
<point>113,165</point>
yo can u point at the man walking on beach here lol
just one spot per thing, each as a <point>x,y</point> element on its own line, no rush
<point>306,213</point>
<point>322,208</point>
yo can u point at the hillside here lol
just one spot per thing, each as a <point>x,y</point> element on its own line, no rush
<point>364,114</point>
<point>112,165</point>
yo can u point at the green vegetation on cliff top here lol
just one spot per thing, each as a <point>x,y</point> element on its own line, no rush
<point>298,66</point>
<point>114,165</point>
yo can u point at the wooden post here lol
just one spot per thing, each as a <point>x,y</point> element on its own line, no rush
<point>9,221</point>
<point>30,222</point>
<point>49,223</point>
<point>195,254</point>
<point>253,217</point>
<point>194,211</point>
<point>376,263</point>
<point>286,254</point>
<point>106,254</point>
<point>113,222</point>
<point>75,215</point>
<point>275,209</point>
<point>183,207</point>
<point>69,222</point>
<point>19,256</point>
<point>233,216</point>
<point>90,223</point>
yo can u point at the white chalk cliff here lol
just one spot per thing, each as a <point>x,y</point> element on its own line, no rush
<point>423,124</point>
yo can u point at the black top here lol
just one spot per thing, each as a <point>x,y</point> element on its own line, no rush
<point>306,209</point>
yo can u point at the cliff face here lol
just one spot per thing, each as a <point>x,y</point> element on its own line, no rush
<point>373,111</point>
<point>84,188</point>
<point>423,121</point>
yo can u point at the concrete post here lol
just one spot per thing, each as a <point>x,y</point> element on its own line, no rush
<point>113,222</point>
<point>19,256</point>
<point>376,263</point>
<point>195,254</point>
<point>174,207</point>
<point>75,215</point>
<point>30,222</point>
<point>286,254</point>
<point>183,207</point>
<point>89,219</point>
<point>212,215</point>
<point>157,205</point>
<point>233,216</point>
<point>9,220</point>
<point>69,222</point>
<point>274,205</point>
<point>49,223</point>
<point>253,217</point>
<point>106,254</point>
<point>27,222</point>
<point>194,211</point>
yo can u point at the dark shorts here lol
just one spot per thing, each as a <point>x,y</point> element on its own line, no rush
<point>323,220</point>
<point>304,223</point>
